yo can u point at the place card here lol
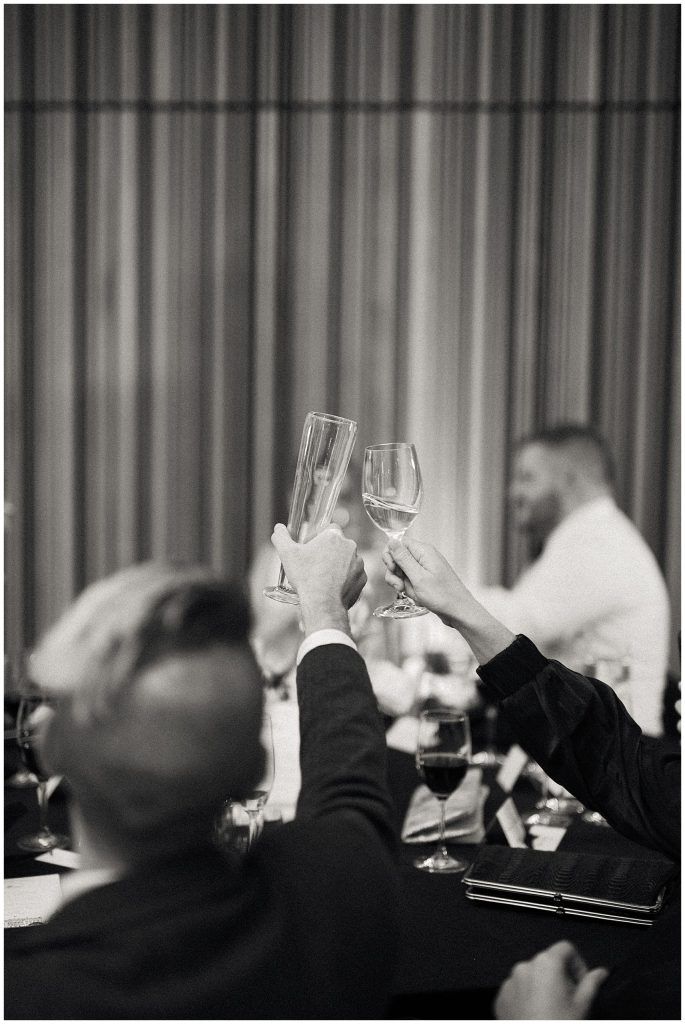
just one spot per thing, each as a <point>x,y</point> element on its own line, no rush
<point>546,837</point>
<point>63,858</point>
<point>511,823</point>
<point>513,765</point>
<point>31,900</point>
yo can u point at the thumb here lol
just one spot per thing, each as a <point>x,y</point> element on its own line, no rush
<point>403,557</point>
<point>588,988</point>
<point>280,538</point>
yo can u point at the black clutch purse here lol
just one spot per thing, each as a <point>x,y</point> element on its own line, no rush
<point>586,885</point>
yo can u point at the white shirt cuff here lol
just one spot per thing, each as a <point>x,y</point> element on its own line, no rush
<point>324,636</point>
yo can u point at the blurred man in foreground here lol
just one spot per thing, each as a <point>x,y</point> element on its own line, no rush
<point>596,590</point>
<point>158,706</point>
<point>583,737</point>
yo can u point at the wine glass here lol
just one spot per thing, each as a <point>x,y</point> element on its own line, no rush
<point>391,493</point>
<point>254,803</point>
<point>443,754</point>
<point>549,810</point>
<point>31,710</point>
<point>325,449</point>
<point>615,672</point>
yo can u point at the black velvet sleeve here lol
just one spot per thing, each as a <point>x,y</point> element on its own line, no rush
<point>342,740</point>
<point>582,736</point>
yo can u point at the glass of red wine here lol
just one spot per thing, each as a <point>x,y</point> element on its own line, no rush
<point>31,710</point>
<point>443,754</point>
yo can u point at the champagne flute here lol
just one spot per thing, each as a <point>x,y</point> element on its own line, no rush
<point>254,803</point>
<point>443,754</point>
<point>391,492</point>
<point>325,448</point>
<point>31,709</point>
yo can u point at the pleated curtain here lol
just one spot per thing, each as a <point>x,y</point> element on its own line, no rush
<point>452,223</point>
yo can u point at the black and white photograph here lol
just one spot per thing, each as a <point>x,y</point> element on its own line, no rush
<point>342,505</point>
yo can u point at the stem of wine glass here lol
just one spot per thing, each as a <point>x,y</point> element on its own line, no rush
<point>256,823</point>
<point>544,792</point>
<point>443,849</point>
<point>42,795</point>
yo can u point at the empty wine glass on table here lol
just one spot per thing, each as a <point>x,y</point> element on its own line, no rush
<point>31,710</point>
<point>615,672</point>
<point>550,809</point>
<point>443,754</point>
<point>391,492</point>
<point>255,801</point>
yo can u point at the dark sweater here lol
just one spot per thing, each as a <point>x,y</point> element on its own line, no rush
<point>304,928</point>
<point>583,737</point>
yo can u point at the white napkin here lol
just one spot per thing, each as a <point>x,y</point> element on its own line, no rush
<point>463,813</point>
<point>31,900</point>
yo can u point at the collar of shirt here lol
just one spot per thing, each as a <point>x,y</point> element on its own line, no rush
<point>324,636</point>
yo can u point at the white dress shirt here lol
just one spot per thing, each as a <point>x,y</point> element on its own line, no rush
<point>595,591</point>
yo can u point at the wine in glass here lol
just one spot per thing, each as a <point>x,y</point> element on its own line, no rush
<point>391,493</point>
<point>443,754</point>
<point>31,710</point>
<point>254,802</point>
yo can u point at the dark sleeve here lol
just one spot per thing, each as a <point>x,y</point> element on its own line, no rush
<point>580,733</point>
<point>342,740</point>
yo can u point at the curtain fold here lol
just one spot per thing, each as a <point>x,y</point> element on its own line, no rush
<point>453,223</point>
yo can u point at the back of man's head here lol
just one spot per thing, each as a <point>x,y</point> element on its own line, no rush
<point>157,705</point>
<point>583,449</point>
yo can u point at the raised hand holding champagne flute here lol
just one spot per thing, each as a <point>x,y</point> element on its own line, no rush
<point>392,490</point>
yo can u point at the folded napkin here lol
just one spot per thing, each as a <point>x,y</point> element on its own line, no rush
<point>463,813</point>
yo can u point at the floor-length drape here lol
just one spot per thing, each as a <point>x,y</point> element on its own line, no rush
<point>453,223</point>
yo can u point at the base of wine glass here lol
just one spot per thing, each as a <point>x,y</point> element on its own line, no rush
<point>547,817</point>
<point>400,609</point>
<point>283,594</point>
<point>487,759</point>
<point>594,818</point>
<point>42,842</point>
<point>439,863</point>
<point>23,779</point>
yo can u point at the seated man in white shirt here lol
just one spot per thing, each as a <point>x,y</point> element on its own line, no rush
<point>595,591</point>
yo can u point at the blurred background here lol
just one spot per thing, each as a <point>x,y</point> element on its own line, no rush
<point>452,223</point>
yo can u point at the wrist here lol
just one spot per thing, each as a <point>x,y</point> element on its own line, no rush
<point>323,613</point>
<point>485,635</point>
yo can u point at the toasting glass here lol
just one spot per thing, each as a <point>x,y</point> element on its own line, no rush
<point>392,491</point>
<point>325,449</point>
<point>443,754</point>
<point>31,710</point>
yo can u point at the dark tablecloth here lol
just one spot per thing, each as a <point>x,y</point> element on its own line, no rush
<point>455,953</point>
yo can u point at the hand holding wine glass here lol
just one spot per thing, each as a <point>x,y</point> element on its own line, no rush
<point>443,754</point>
<point>392,490</point>
<point>32,709</point>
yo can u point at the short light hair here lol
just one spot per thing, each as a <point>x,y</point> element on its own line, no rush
<point>158,704</point>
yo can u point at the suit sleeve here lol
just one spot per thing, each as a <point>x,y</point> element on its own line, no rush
<point>342,740</point>
<point>580,733</point>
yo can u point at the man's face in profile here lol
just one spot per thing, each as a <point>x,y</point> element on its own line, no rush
<point>534,492</point>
